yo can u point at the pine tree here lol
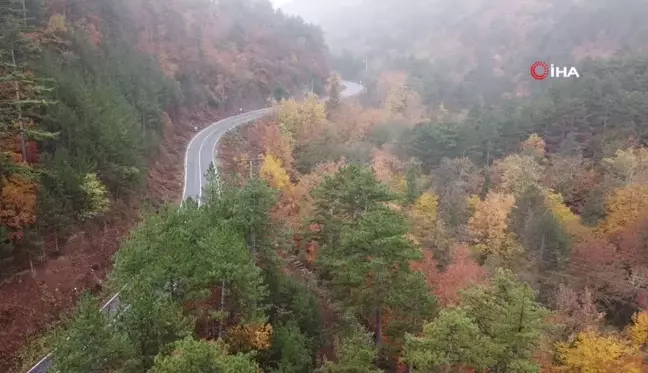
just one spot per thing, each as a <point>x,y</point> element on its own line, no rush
<point>369,270</point>
<point>23,90</point>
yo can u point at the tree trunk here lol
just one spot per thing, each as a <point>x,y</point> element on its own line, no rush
<point>24,12</point>
<point>378,332</point>
<point>23,149</point>
<point>222,307</point>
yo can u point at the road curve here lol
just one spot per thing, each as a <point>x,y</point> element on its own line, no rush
<point>201,150</point>
<point>200,153</point>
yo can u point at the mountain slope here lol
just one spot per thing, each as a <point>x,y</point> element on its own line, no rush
<point>109,94</point>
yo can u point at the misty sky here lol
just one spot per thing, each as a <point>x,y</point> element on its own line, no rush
<point>278,3</point>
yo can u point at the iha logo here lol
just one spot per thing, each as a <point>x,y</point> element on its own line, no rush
<point>541,71</point>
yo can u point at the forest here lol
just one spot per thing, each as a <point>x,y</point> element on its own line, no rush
<point>455,217</point>
<point>381,238</point>
<point>97,100</point>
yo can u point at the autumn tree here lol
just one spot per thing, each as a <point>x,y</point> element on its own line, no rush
<point>534,146</point>
<point>462,272</point>
<point>637,332</point>
<point>301,119</point>
<point>627,166</point>
<point>424,215</point>
<point>273,172</point>
<point>597,353</point>
<point>488,227</point>
<point>576,312</point>
<point>516,173</point>
<point>624,206</point>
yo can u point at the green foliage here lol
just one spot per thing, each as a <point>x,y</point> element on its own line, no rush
<point>355,353</point>
<point>341,198</point>
<point>497,327</point>
<point>453,338</point>
<point>292,301</point>
<point>369,270</point>
<point>175,257</point>
<point>107,114</point>
<point>507,313</point>
<point>181,253</point>
<point>431,142</point>
<point>245,210</point>
<point>191,356</point>
<point>290,349</point>
<point>89,343</point>
<point>548,244</point>
<point>150,322</point>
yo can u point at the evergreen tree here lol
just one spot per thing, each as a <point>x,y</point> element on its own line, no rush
<point>497,327</point>
<point>191,356</point>
<point>343,197</point>
<point>89,344</point>
<point>369,270</point>
<point>355,353</point>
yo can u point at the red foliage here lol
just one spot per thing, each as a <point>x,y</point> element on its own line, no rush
<point>597,264</point>
<point>460,274</point>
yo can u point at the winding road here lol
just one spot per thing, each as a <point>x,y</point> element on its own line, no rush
<point>201,151</point>
<point>202,148</point>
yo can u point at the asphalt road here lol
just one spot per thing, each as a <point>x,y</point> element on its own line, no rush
<point>200,153</point>
<point>202,148</point>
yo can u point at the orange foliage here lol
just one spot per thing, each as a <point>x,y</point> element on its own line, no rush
<point>17,205</point>
<point>265,137</point>
<point>352,122</point>
<point>386,166</point>
<point>243,338</point>
<point>460,274</point>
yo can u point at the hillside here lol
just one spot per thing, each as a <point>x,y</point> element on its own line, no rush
<point>458,216</point>
<point>97,101</point>
<point>478,51</point>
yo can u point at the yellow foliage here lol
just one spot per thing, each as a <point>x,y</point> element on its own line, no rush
<point>596,353</point>
<point>424,215</point>
<point>96,194</point>
<point>628,166</point>
<point>400,102</point>
<point>296,116</point>
<point>57,24</point>
<point>638,331</point>
<point>488,227</point>
<point>243,338</point>
<point>273,172</point>
<point>534,146</point>
<point>625,206</point>
<point>565,216</point>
